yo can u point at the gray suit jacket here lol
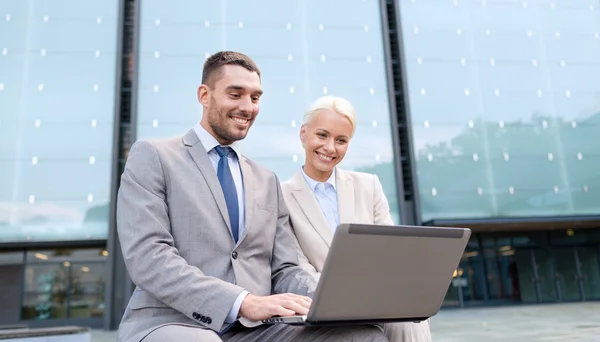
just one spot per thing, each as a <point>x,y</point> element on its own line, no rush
<point>177,244</point>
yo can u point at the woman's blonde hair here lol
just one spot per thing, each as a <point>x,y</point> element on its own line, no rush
<point>337,104</point>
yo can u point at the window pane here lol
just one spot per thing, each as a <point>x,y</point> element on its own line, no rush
<point>503,100</point>
<point>87,290</point>
<point>303,52</point>
<point>57,95</point>
<point>45,292</point>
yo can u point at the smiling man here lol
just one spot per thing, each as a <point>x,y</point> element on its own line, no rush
<point>205,231</point>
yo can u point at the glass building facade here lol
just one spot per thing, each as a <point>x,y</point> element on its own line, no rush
<point>315,54</point>
<point>57,98</point>
<point>58,68</point>
<point>473,113</point>
<point>504,106</point>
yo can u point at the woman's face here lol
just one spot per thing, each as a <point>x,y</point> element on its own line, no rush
<point>325,141</point>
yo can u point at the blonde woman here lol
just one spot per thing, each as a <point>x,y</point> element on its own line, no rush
<point>321,195</point>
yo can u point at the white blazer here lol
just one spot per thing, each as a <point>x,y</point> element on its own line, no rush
<point>360,200</point>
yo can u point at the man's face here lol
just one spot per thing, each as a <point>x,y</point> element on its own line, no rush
<point>231,106</point>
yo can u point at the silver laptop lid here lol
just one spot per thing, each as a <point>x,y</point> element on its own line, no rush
<point>387,272</point>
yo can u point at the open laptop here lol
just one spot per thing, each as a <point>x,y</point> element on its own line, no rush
<point>380,274</point>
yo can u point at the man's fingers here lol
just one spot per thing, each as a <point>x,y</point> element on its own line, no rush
<point>302,300</point>
<point>302,297</point>
<point>294,305</point>
<point>305,303</point>
<point>283,312</point>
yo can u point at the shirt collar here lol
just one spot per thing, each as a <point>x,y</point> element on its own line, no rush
<point>313,183</point>
<point>209,142</point>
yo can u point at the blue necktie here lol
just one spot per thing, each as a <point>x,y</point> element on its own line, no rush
<point>229,190</point>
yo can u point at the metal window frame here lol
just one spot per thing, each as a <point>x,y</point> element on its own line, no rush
<point>408,110</point>
<point>21,245</point>
<point>410,211</point>
<point>112,239</point>
<point>135,70</point>
<point>392,112</point>
<point>513,220</point>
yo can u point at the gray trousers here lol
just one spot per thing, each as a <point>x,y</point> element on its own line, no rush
<point>275,332</point>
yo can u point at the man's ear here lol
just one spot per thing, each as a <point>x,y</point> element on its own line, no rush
<point>203,95</point>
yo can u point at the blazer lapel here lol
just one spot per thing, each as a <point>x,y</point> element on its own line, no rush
<point>345,191</point>
<point>249,184</point>
<point>200,157</point>
<point>310,207</point>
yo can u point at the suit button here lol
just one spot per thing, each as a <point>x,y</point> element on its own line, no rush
<point>208,320</point>
<point>203,319</point>
<point>234,255</point>
<point>195,315</point>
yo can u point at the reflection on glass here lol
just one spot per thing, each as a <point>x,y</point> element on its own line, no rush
<point>546,274</point>
<point>566,274</point>
<point>64,284</point>
<point>590,271</point>
<point>525,274</point>
<point>471,269</point>
<point>87,290</point>
<point>303,51</point>
<point>45,292</point>
<point>492,268</point>
<point>468,280</point>
<point>504,107</point>
<point>57,81</point>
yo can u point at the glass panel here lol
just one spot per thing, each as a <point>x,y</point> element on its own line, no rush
<point>303,52</point>
<point>87,290</point>
<point>471,268</point>
<point>494,282</point>
<point>502,269</point>
<point>451,298</point>
<point>590,271</point>
<point>566,272</point>
<point>469,278</point>
<point>509,274</point>
<point>504,107</point>
<point>45,292</point>
<point>57,95</point>
<point>546,274</point>
<point>64,283</point>
<point>523,281</point>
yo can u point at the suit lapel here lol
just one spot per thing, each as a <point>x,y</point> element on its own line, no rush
<point>345,191</point>
<point>310,207</point>
<point>200,157</point>
<point>249,184</point>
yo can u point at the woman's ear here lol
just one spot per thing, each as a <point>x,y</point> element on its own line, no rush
<point>303,134</point>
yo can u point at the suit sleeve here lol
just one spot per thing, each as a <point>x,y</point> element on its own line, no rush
<point>151,258</point>
<point>287,274</point>
<point>381,208</point>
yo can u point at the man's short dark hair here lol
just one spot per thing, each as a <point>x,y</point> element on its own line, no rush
<point>214,63</point>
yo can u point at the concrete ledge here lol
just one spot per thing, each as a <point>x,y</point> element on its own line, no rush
<point>53,334</point>
<point>13,326</point>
